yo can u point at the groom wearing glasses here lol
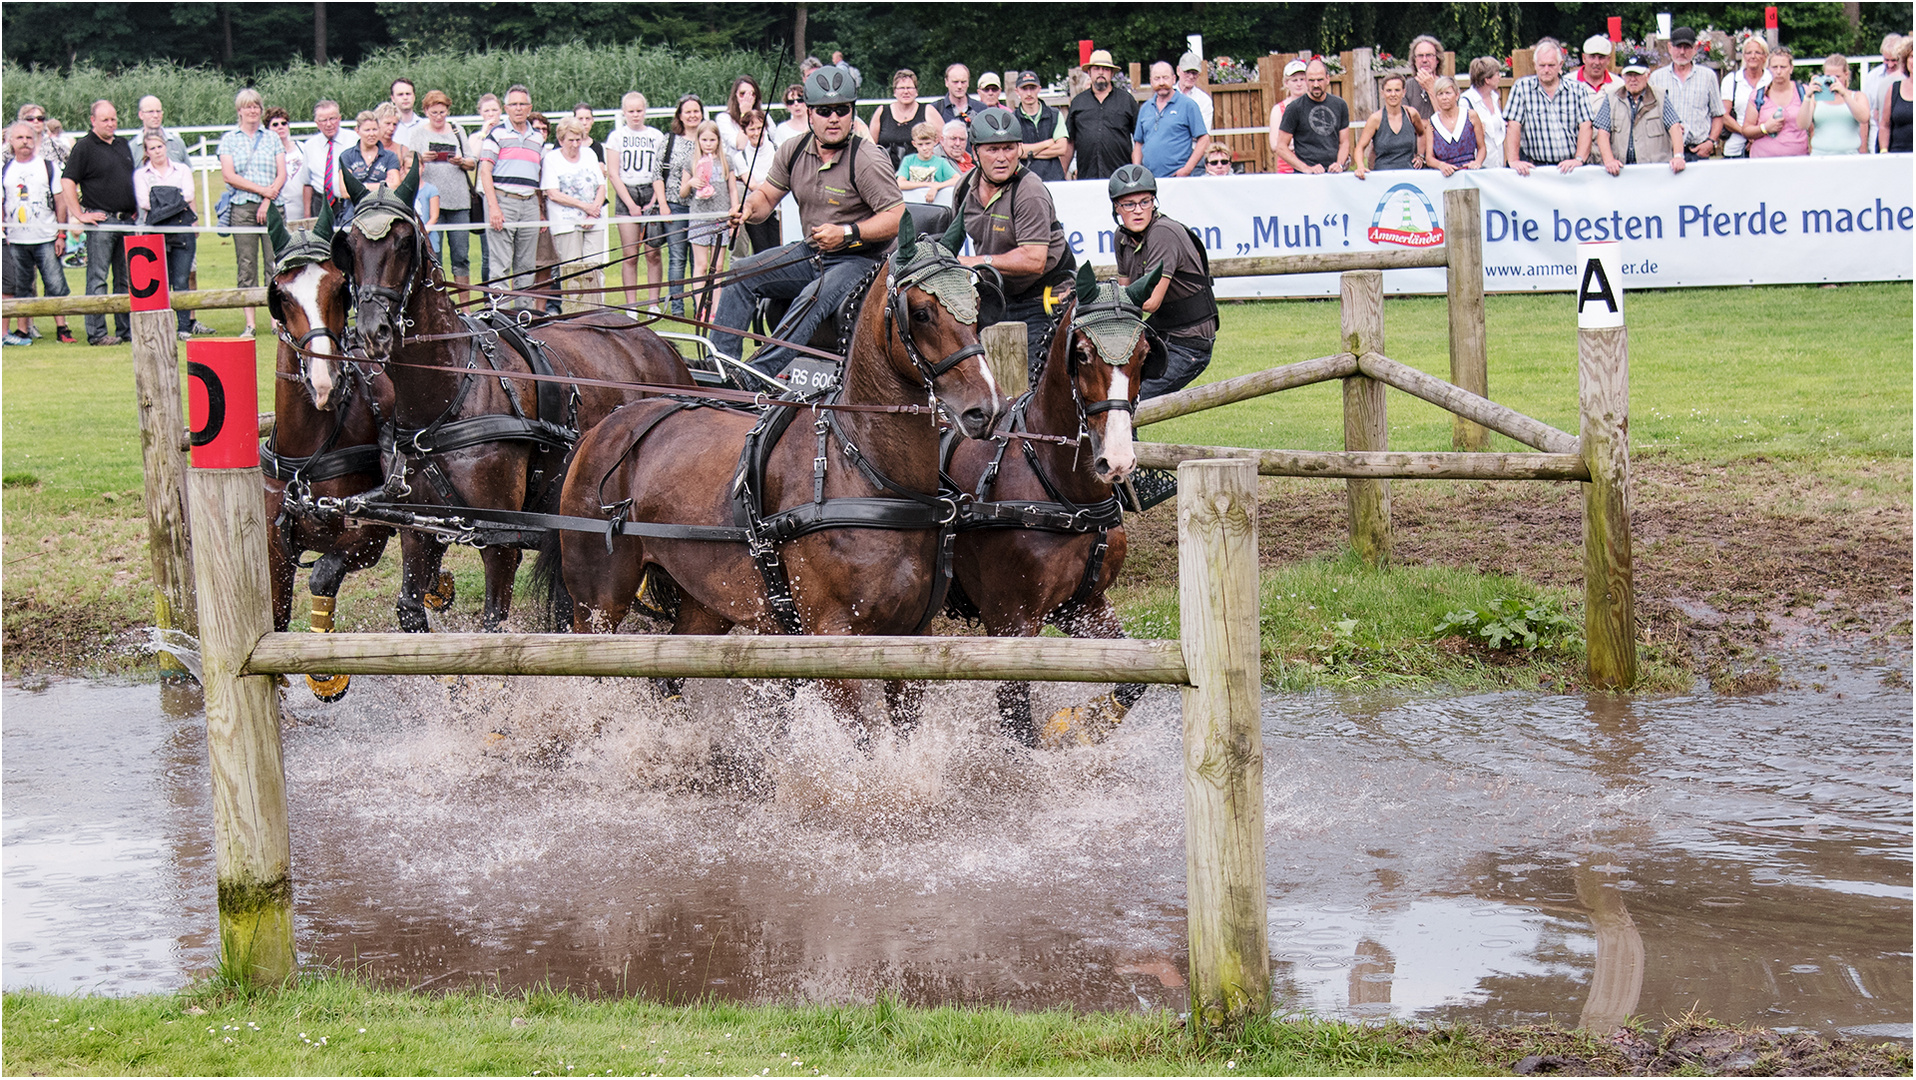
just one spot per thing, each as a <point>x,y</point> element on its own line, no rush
<point>849,206</point>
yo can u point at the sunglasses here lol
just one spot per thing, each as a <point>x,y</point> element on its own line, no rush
<point>829,111</point>
<point>36,119</point>
<point>794,101</point>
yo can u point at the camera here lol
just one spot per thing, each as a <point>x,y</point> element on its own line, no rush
<point>1823,82</point>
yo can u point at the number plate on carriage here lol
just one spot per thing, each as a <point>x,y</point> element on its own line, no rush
<point>809,375</point>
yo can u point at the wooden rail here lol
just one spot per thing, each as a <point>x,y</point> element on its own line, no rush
<point>1376,465</point>
<point>113,303</point>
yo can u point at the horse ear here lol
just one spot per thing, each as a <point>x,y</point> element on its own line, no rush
<point>907,238</point>
<point>954,238</point>
<point>1140,290</point>
<point>323,225</point>
<point>276,228</point>
<point>1087,283</point>
<point>409,187</point>
<point>354,189</point>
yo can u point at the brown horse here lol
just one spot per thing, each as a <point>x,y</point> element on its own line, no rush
<point>843,513</point>
<point>467,436</point>
<point>1045,537</point>
<point>325,433</point>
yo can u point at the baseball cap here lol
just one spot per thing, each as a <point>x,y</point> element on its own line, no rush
<point>1295,67</point>
<point>1101,58</point>
<point>1683,35</point>
<point>1029,78</point>
<point>1638,64</point>
<point>1596,45</point>
<point>989,78</point>
<point>1190,62</point>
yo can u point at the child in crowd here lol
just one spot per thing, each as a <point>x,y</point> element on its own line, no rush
<point>426,205</point>
<point>708,186</point>
<point>926,171</point>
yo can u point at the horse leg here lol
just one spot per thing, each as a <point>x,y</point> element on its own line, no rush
<point>694,618</point>
<point>841,696</point>
<point>1014,712</point>
<point>905,698</point>
<point>420,555</point>
<point>502,569</point>
<point>324,582</point>
<point>1096,618</point>
<point>283,567</point>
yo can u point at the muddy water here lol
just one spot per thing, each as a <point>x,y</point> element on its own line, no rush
<point>1504,857</point>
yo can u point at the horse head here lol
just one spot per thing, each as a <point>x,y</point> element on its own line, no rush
<point>1108,352</point>
<point>385,256</point>
<point>308,299</point>
<point>932,311</point>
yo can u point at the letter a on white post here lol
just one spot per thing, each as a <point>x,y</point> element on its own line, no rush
<point>1599,286</point>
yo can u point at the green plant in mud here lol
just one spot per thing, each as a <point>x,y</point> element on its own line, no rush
<point>1510,623</point>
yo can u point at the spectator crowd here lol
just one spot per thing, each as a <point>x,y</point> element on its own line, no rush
<point>541,194</point>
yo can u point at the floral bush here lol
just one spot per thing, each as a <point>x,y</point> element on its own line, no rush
<point>1226,70</point>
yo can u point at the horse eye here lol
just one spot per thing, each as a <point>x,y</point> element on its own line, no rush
<point>921,314</point>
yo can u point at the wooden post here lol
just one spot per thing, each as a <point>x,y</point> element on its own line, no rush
<point>1008,352</point>
<point>1469,349</point>
<point>1364,97</point>
<point>252,847</point>
<point>1223,743</point>
<point>1603,426</point>
<point>163,438</point>
<point>1366,426</point>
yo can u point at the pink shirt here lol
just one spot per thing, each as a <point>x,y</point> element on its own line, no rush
<point>144,178</point>
<point>1788,140</point>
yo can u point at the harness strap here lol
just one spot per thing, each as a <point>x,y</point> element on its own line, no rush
<point>315,468</point>
<point>474,430</point>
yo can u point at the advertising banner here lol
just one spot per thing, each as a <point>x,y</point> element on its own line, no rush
<point>1769,222</point>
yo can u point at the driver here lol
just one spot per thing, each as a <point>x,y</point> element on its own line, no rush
<point>849,205</point>
<point>1014,229</point>
<point>1182,309</point>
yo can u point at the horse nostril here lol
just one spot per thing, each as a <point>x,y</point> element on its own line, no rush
<point>976,420</point>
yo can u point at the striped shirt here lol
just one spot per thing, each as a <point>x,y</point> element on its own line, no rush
<point>1697,97</point>
<point>516,157</point>
<point>1550,121</point>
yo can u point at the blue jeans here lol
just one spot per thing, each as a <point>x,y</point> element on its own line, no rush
<point>106,251</point>
<point>1186,357</point>
<point>453,250</point>
<point>816,285</point>
<point>23,260</point>
<point>679,257</point>
<point>179,268</point>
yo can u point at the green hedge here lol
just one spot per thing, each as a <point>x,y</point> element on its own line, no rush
<point>558,76</point>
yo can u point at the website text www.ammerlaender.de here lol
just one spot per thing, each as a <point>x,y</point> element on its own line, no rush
<point>1554,269</point>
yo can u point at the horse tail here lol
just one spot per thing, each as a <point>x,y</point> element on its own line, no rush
<point>548,584</point>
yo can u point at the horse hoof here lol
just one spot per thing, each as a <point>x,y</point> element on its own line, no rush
<point>1085,725</point>
<point>440,596</point>
<point>328,687</point>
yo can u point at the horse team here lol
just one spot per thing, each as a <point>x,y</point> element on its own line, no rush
<point>585,437</point>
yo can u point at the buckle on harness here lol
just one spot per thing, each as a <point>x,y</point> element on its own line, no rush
<point>1052,301</point>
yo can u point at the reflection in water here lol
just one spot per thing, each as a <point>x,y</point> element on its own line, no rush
<point>1500,857</point>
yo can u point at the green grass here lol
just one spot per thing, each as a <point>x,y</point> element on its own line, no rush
<point>340,1026</point>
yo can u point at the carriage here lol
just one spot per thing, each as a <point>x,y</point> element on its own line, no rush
<point>651,473</point>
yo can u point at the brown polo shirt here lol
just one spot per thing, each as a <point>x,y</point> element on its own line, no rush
<point>846,192</point>
<point>1016,216</point>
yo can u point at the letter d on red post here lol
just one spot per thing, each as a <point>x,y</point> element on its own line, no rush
<point>222,403</point>
<point>146,273</point>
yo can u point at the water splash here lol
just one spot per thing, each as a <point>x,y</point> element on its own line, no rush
<point>178,644</point>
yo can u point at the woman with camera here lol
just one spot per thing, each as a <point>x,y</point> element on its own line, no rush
<point>1836,117</point>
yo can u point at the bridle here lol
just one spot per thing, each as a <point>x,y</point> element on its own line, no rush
<point>930,269</point>
<point>387,304</point>
<point>1105,322</point>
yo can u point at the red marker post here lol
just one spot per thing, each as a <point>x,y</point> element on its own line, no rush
<point>1616,29</point>
<point>1769,25</point>
<point>146,273</point>
<point>1084,51</point>
<point>252,843</point>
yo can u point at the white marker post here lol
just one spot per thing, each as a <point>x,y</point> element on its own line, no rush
<point>1603,429</point>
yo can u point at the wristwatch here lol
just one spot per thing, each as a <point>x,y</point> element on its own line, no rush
<point>852,237</point>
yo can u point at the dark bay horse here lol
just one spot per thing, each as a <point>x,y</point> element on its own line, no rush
<point>325,433</point>
<point>466,435</point>
<point>1045,537</point>
<point>845,523</point>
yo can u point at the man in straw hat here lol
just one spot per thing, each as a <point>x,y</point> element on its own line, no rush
<point>1102,120</point>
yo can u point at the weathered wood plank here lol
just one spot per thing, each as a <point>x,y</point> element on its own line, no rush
<point>1223,743</point>
<point>723,657</point>
<point>252,847</point>
<point>1609,589</point>
<point>1258,383</point>
<point>116,302</point>
<point>163,443</point>
<point>1366,425</point>
<point>1499,418</point>
<point>1008,353</point>
<point>1395,465</point>
<point>1464,288</point>
<point>1328,262</point>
